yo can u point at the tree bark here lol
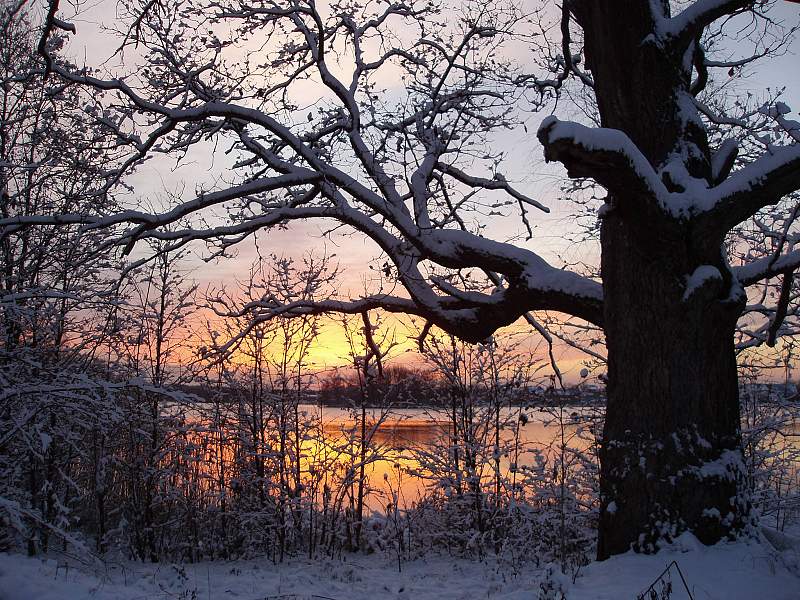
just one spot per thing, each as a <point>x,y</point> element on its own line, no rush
<point>670,454</point>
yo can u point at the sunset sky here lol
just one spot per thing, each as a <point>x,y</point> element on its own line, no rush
<point>524,167</point>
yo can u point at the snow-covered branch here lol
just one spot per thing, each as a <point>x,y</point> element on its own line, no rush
<point>355,159</point>
<point>606,155</point>
<point>761,183</point>
<point>767,267</point>
<point>691,21</point>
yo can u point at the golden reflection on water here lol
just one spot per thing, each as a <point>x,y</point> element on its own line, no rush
<point>330,447</point>
<point>405,431</point>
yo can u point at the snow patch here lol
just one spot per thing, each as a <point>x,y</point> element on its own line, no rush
<point>743,570</point>
<point>725,467</point>
<point>698,279</point>
<point>727,571</point>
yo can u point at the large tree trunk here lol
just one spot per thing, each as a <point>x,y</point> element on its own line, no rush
<point>670,454</point>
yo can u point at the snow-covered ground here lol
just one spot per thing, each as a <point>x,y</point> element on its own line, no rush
<point>725,572</point>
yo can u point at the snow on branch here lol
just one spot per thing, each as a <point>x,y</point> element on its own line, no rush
<point>471,316</point>
<point>691,21</point>
<point>767,267</point>
<point>761,183</point>
<point>402,169</point>
<point>606,155</point>
<point>612,159</point>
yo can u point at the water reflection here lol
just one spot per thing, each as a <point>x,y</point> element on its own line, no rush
<point>404,427</point>
<point>404,432</point>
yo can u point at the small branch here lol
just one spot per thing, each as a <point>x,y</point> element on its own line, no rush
<point>781,308</point>
<point>767,267</point>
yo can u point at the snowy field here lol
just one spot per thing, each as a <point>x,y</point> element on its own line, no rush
<point>724,572</point>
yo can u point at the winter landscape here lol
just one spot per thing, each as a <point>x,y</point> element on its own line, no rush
<point>410,299</point>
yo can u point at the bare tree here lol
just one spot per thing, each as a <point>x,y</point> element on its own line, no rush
<point>367,349</point>
<point>278,355</point>
<point>405,168</point>
<point>158,325</point>
<point>55,290</point>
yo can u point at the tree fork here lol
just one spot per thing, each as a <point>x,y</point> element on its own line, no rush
<point>671,452</point>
